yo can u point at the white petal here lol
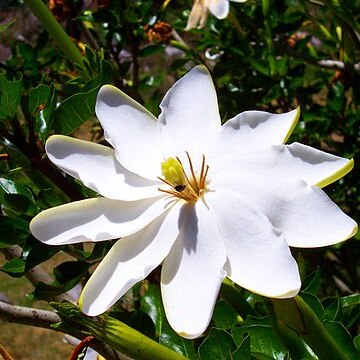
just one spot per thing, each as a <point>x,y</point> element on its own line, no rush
<point>258,257</point>
<point>219,8</point>
<point>95,220</point>
<point>253,131</point>
<point>130,260</point>
<point>286,162</point>
<point>131,130</point>
<point>310,219</point>
<point>198,16</point>
<point>305,215</point>
<point>96,167</point>
<point>193,271</point>
<point>189,114</point>
<point>239,1</point>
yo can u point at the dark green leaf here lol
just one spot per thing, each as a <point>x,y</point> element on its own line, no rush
<point>151,50</point>
<point>314,304</point>
<point>263,340</point>
<point>312,283</point>
<point>333,309</point>
<point>18,197</point>
<point>224,316</point>
<point>138,321</point>
<point>151,304</point>
<point>219,345</point>
<point>243,352</point>
<point>36,252</point>
<point>67,275</point>
<point>37,97</point>
<point>13,230</point>
<point>10,96</point>
<point>342,338</point>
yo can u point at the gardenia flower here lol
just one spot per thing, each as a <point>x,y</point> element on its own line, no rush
<point>199,12</point>
<point>206,201</point>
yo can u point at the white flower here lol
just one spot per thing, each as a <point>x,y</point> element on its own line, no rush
<point>204,200</point>
<point>199,12</point>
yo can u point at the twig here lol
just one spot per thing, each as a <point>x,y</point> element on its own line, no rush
<point>338,65</point>
<point>37,274</point>
<point>44,319</point>
<point>28,316</point>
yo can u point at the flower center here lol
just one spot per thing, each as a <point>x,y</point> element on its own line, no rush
<point>184,187</point>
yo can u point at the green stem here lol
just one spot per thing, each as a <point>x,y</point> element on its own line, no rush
<point>289,338</point>
<point>294,315</point>
<point>55,30</point>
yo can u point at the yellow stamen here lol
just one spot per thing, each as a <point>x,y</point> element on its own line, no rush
<point>188,188</point>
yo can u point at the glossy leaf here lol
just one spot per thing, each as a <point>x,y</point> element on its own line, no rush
<point>219,345</point>
<point>263,340</point>
<point>343,338</point>
<point>74,111</point>
<point>224,316</point>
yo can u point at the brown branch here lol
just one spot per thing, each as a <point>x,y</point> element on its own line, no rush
<point>28,316</point>
<point>44,319</point>
<point>37,274</point>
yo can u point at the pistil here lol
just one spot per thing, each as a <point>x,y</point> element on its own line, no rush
<point>188,188</point>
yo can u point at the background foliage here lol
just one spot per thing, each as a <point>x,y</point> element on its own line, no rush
<point>267,55</point>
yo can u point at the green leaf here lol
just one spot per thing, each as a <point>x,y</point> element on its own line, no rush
<point>37,97</point>
<point>314,304</point>
<point>13,231</point>
<point>312,283</point>
<point>17,197</point>
<point>14,267</point>
<point>67,275</point>
<point>74,111</point>
<point>219,345</point>
<point>151,50</point>
<point>342,338</point>
<point>263,340</point>
<point>10,96</point>
<point>138,320</point>
<point>36,252</point>
<point>7,24</point>
<point>151,304</point>
<point>44,117</point>
<point>243,352</point>
<point>333,309</point>
<point>224,316</point>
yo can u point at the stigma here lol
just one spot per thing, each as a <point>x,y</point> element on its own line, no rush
<point>189,187</point>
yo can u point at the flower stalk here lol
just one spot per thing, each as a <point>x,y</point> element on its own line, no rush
<point>116,334</point>
<point>294,320</point>
<point>47,19</point>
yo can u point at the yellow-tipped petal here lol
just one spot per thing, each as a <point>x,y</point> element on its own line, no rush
<point>336,175</point>
<point>293,124</point>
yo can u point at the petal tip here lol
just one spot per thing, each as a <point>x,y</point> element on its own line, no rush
<point>337,174</point>
<point>294,122</point>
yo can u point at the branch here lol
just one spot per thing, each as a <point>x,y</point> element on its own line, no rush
<point>338,65</point>
<point>44,319</point>
<point>28,316</point>
<point>37,274</point>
